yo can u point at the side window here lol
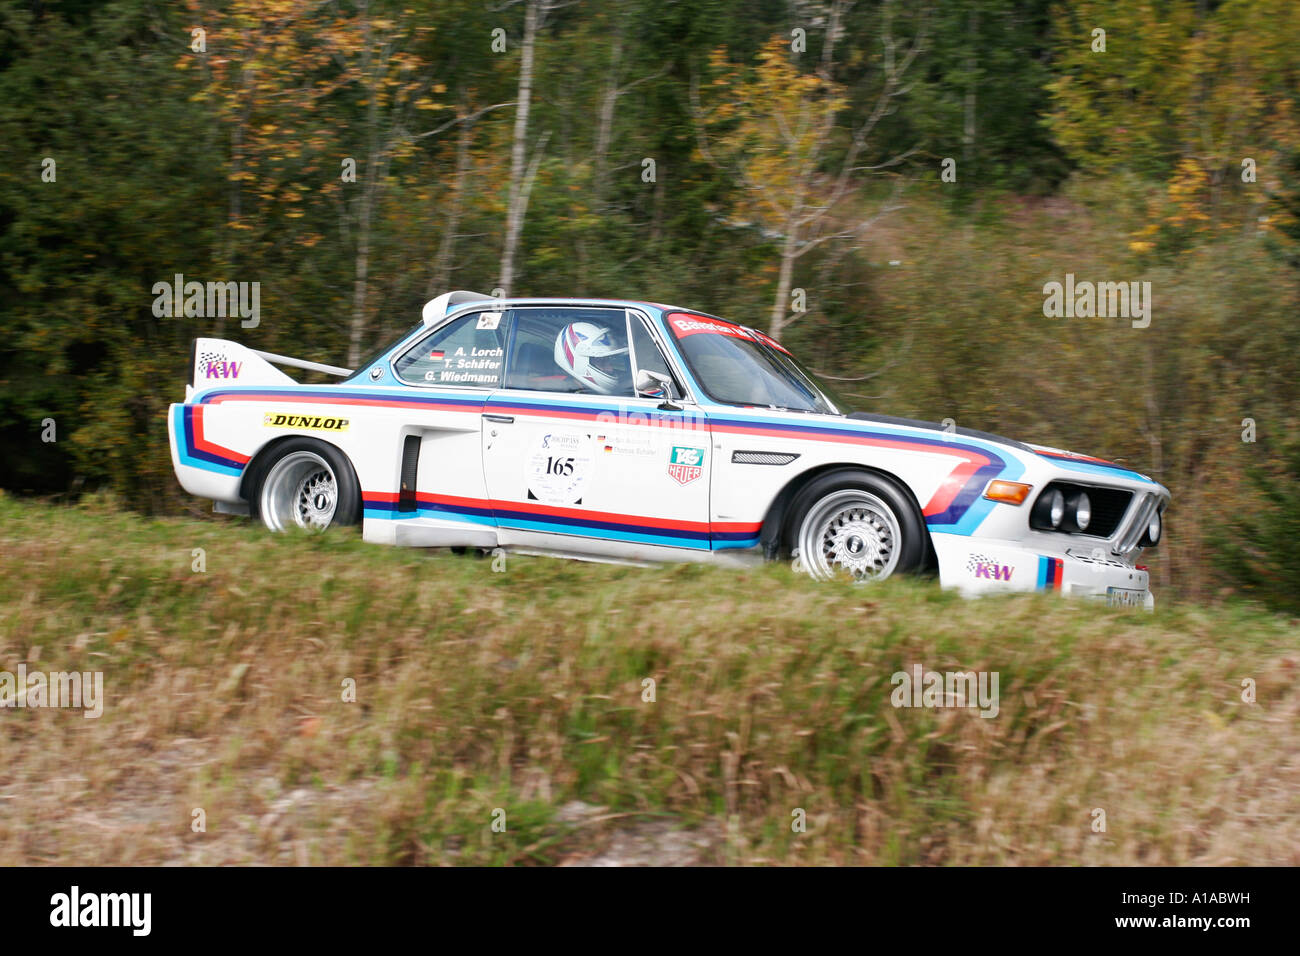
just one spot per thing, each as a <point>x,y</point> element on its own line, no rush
<point>469,352</point>
<point>581,351</point>
<point>649,357</point>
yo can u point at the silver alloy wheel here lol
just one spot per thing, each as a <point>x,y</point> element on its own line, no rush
<point>300,490</point>
<point>850,531</point>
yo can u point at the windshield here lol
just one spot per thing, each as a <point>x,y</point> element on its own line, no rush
<point>740,366</point>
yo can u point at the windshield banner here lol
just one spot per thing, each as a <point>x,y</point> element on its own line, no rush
<point>684,324</point>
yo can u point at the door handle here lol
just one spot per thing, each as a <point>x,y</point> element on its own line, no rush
<point>503,419</point>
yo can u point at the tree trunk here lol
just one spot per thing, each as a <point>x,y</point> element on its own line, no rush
<point>605,126</point>
<point>781,305</point>
<point>441,278</point>
<point>361,279</point>
<point>235,205</point>
<point>373,176</point>
<point>968,131</point>
<point>517,196</point>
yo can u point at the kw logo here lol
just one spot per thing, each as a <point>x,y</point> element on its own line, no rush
<point>312,422</point>
<point>996,572</point>
<point>224,369</point>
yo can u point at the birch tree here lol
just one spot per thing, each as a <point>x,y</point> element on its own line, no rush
<point>779,130</point>
<point>523,170</point>
<point>288,79</point>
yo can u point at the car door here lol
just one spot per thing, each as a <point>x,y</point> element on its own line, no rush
<point>441,498</point>
<point>576,460</point>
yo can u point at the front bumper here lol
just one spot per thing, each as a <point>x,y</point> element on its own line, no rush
<point>982,566</point>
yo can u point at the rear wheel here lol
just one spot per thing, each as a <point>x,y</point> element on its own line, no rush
<point>305,483</point>
<point>855,525</point>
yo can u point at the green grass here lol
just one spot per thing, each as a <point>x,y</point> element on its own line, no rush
<point>522,692</point>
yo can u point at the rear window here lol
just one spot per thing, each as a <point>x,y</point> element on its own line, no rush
<point>468,353</point>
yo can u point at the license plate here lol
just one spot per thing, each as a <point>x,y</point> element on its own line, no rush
<point>1123,597</point>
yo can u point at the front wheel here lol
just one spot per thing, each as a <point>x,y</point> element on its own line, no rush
<point>305,483</point>
<point>856,525</point>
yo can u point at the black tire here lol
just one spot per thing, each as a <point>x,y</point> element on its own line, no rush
<point>871,510</point>
<point>294,464</point>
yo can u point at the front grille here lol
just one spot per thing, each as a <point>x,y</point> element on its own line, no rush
<point>1109,506</point>
<point>1135,528</point>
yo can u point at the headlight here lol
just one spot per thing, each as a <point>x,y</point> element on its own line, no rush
<point>1081,510</point>
<point>1154,529</point>
<point>1058,509</point>
<point>1049,510</point>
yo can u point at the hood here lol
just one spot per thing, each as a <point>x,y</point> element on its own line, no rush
<point>1070,460</point>
<point>1077,462</point>
<point>937,427</point>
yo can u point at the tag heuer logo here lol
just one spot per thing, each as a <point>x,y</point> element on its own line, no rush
<point>685,464</point>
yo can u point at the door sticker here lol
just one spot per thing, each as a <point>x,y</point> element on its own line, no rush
<point>685,464</point>
<point>628,445</point>
<point>559,468</point>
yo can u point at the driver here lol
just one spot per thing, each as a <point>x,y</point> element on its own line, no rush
<point>587,352</point>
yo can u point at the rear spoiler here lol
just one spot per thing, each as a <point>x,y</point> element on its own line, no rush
<point>222,362</point>
<point>300,363</point>
<point>437,308</point>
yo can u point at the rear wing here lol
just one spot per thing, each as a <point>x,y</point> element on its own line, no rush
<point>437,308</point>
<point>220,361</point>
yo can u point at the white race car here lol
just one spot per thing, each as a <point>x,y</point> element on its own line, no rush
<point>633,431</point>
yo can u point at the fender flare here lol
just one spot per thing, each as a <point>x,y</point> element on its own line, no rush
<point>774,521</point>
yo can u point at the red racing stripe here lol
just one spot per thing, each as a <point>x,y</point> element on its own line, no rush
<point>372,402</point>
<point>202,444</point>
<point>940,501</point>
<point>542,510</point>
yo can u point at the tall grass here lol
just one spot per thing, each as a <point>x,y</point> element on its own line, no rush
<point>523,692</point>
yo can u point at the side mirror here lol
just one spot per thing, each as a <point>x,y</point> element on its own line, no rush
<point>653,384</point>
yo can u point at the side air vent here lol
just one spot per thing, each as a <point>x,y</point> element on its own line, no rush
<point>410,461</point>
<point>762,457</point>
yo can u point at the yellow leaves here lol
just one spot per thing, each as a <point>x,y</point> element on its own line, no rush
<point>1144,239</point>
<point>774,123</point>
<point>283,83</point>
<point>1182,80</point>
<point>1187,192</point>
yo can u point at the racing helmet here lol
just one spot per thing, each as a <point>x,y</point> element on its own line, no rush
<point>588,353</point>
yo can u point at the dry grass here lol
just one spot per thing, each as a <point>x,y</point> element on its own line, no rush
<point>522,691</point>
